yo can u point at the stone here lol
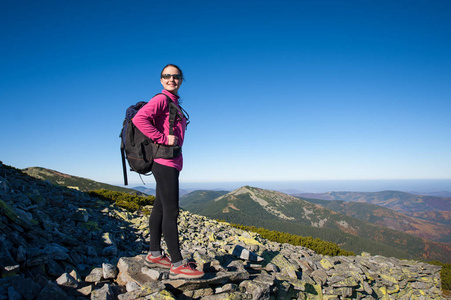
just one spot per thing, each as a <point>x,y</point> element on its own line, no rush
<point>8,266</point>
<point>53,268</point>
<point>152,273</point>
<point>241,252</point>
<point>90,251</point>
<point>21,255</point>
<point>132,286</point>
<point>81,215</point>
<point>13,294</point>
<point>109,271</point>
<point>272,268</point>
<point>130,270</point>
<point>196,294</point>
<point>320,276</point>
<point>67,281</point>
<point>85,291</point>
<point>149,290</point>
<point>95,275</point>
<point>258,290</point>
<point>26,287</point>
<point>286,268</point>
<point>109,251</point>
<point>108,238</point>
<point>51,292</point>
<point>326,264</point>
<point>229,287</point>
<point>103,293</point>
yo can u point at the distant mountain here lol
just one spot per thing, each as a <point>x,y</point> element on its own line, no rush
<point>151,191</point>
<point>395,200</point>
<point>277,211</point>
<point>436,209</point>
<point>445,194</point>
<point>377,215</point>
<point>74,182</point>
<point>145,190</point>
<point>197,199</point>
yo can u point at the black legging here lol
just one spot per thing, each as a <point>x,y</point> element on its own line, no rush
<point>163,219</point>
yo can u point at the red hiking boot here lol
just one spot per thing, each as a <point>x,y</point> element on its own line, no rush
<point>186,271</point>
<point>161,261</point>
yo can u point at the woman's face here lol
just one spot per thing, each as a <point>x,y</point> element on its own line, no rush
<point>171,84</point>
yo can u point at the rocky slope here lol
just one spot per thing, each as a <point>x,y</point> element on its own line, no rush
<point>73,182</point>
<point>59,243</point>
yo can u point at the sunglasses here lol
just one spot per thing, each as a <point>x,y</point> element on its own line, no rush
<point>168,76</point>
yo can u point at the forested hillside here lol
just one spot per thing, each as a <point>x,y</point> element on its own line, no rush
<point>381,216</point>
<point>276,211</point>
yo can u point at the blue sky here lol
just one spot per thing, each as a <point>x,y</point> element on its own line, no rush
<point>276,90</point>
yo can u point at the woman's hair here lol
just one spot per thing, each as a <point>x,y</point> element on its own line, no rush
<point>172,65</point>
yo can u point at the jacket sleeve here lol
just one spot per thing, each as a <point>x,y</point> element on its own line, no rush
<point>149,117</point>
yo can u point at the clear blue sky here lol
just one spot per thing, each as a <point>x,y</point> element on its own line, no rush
<point>276,90</point>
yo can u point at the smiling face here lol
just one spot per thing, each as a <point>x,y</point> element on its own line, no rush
<point>171,84</point>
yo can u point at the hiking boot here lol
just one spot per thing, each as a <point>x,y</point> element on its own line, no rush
<point>186,271</point>
<point>161,261</point>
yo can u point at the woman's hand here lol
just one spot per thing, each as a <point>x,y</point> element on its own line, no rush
<point>172,140</point>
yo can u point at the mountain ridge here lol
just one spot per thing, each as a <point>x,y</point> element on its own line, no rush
<point>74,182</point>
<point>272,209</point>
<point>395,200</point>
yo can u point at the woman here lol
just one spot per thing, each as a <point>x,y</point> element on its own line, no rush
<point>153,121</point>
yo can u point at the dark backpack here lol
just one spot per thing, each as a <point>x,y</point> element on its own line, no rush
<point>138,149</point>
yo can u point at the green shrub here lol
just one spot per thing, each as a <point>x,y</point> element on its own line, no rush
<point>445,274</point>
<point>317,245</point>
<point>128,201</point>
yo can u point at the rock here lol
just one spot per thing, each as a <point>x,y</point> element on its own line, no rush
<point>286,268</point>
<point>258,290</point>
<point>272,268</point>
<point>53,268</point>
<point>109,271</point>
<point>149,290</point>
<point>26,286</point>
<point>241,252</point>
<point>21,254</point>
<point>90,251</point>
<point>130,270</point>
<point>152,273</point>
<point>51,292</point>
<point>109,251</point>
<point>13,294</point>
<point>57,252</point>
<point>67,281</point>
<point>95,275</point>
<point>103,293</point>
<point>85,291</point>
<point>108,238</point>
<point>81,215</point>
<point>132,286</point>
<point>196,294</point>
<point>228,287</point>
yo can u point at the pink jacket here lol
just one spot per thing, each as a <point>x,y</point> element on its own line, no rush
<point>153,120</point>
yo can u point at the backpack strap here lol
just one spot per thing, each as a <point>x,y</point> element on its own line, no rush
<point>124,168</point>
<point>175,112</point>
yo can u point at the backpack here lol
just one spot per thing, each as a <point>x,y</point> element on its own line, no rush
<point>138,149</point>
